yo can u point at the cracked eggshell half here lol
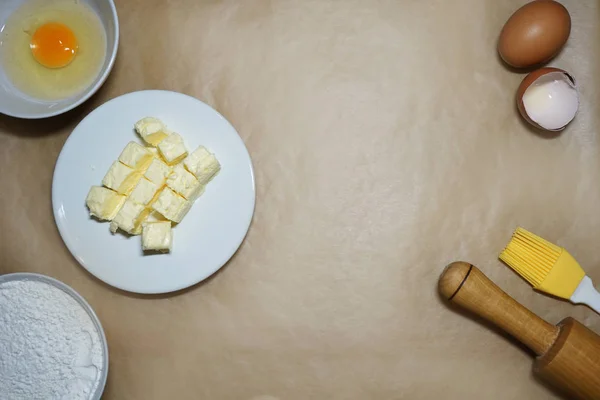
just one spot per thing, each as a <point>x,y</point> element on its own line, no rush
<point>548,98</point>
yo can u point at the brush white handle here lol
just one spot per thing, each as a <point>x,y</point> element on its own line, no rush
<point>587,294</point>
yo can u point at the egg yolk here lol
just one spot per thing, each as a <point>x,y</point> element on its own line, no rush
<point>53,45</point>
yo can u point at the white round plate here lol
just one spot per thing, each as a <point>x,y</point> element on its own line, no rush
<point>209,234</point>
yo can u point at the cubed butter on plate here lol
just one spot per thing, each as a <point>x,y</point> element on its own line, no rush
<point>155,216</point>
<point>152,130</point>
<point>184,183</point>
<point>203,164</point>
<point>172,149</point>
<point>157,172</point>
<point>171,205</point>
<point>155,152</point>
<point>157,236</point>
<point>121,178</point>
<point>104,203</point>
<point>144,192</point>
<point>136,156</point>
<point>130,218</point>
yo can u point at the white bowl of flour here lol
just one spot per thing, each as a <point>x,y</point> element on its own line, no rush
<point>52,345</point>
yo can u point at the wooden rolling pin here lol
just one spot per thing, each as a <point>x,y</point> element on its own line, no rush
<point>568,355</point>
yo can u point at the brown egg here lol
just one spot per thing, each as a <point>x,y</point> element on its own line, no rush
<point>548,98</point>
<point>534,33</point>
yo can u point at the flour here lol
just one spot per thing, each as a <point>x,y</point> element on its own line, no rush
<point>49,346</point>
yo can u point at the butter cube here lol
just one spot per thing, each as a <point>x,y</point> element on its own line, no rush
<point>172,149</point>
<point>121,178</point>
<point>130,218</point>
<point>144,192</point>
<point>152,130</point>
<point>203,164</point>
<point>104,203</point>
<point>155,216</point>
<point>184,183</point>
<point>157,172</point>
<point>154,151</point>
<point>171,205</point>
<point>136,156</point>
<point>157,236</point>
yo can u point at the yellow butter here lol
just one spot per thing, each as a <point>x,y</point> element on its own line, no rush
<point>152,130</point>
<point>203,164</point>
<point>104,203</point>
<point>157,236</point>
<point>121,178</point>
<point>171,205</point>
<point>184,183</point>
<point>130,218</point>
<point>172,149</point>
<point>136,156</point>
<point>157,172</point>
<point>144,192</point>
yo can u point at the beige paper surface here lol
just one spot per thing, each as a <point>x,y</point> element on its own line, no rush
<point>385,144</point>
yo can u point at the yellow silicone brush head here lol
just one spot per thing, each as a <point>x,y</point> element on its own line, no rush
<point>530,256</point>
<point>544,265</point>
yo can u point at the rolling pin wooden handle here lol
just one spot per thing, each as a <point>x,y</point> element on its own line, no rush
<point>465,285</point>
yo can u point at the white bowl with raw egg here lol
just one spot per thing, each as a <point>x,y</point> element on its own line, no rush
<point>54,54</point>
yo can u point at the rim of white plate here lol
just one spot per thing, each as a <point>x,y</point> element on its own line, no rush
<point>234,249</point>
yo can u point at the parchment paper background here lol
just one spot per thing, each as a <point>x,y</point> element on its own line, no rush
<point>385,144</point>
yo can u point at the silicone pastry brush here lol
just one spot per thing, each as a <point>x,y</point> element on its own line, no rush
<point>549,269</point>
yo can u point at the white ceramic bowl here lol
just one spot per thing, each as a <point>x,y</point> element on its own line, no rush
<point>27,276</point>
<point>16,104</point>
